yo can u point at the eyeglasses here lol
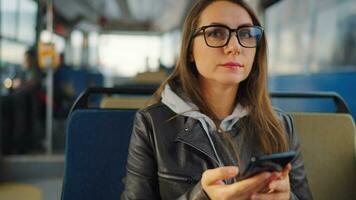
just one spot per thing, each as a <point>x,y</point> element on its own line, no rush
<point>216,36</point>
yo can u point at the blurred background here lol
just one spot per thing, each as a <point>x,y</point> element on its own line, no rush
<point>109,43</point>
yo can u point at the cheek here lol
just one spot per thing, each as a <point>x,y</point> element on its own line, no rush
<point>198,50</point>
<point>250,57</point>
<point>202,56</point>
<point>201,67</point>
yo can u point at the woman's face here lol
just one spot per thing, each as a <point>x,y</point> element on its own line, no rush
<point>228,65</point>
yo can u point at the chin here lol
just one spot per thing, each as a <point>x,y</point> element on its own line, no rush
<point>229,82</point>
<point>232,80</point>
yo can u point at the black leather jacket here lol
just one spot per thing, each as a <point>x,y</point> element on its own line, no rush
<point>169,153</point>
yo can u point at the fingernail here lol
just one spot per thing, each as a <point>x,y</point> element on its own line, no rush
<point>254,197</point>
<point>276,174</point>
<point>232,170</point>
<point>272,185</point>
<point>267,175</point>
<point>220,183</point>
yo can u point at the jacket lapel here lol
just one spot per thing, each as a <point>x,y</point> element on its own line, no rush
<point>194,136</point>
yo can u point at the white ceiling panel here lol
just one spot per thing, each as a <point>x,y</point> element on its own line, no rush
<point>125,15</point>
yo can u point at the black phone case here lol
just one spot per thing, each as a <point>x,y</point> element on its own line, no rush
<point>268,163</point>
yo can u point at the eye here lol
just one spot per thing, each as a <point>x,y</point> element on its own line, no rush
<point>246,33</point>
<point>216,32</point>
<point>249,33</point>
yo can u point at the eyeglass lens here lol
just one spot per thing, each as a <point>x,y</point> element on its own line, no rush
<point>219,36</point>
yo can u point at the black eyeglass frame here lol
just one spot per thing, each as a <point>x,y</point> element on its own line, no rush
<point>197,32</point>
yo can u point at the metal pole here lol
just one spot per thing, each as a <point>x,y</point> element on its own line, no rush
<point>1,131</point>
<point>49,110</point>
<point>49,84</point>
<point>1,96</point>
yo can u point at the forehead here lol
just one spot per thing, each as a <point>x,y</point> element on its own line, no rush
<point>224,12</point>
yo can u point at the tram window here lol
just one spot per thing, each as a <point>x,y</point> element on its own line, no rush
<point>317,36</point>
<point>27,21</point>
<point>12,52</point>
<point>8,18</point>
<point>336,46</point>
<point>127,55</point>
<point>76,45</point>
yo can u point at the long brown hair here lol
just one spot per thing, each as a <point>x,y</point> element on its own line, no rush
<point>261,124</point>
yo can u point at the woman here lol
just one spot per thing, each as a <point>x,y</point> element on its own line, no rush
<point>212,115</point>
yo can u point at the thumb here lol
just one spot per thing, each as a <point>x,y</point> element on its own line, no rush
<point>286,170</point>
<point>214,176</point>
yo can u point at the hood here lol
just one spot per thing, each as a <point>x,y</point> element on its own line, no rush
<point>189,109</point>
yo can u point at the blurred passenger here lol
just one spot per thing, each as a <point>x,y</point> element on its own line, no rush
<point>23,109</point>
<point>212,115</point>
<point>30,76</point>
<point>64,94</point>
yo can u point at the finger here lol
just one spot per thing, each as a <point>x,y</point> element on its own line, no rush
<point>214,176</point>
<point>286,170</point>
<point>252,185</point>
<point>274,176</point>
<point>280,185</point>
<point>273,196</point>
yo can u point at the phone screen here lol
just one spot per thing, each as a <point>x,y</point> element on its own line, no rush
<point>268,163</point>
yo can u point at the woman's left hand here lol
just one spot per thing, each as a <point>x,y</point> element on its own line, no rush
<point>278,189</point>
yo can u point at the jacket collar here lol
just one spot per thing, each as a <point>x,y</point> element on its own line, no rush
<point>194,136</point>
<point>197,135</point>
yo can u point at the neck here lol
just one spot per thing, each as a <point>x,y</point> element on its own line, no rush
<point>220,98</point>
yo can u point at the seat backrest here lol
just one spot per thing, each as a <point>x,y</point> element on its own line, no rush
<point>16,191</point>
<point>328,147</point>
<point>124,102</point>
<point>96,152</point>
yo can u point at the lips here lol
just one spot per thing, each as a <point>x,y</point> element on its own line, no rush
<point>232,65</point>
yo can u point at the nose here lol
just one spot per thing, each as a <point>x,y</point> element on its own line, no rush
<point>233,46</point>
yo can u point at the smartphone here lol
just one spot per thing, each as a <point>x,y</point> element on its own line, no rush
<point>268,163</point>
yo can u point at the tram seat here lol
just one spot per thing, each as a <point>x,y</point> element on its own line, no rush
<point>77,80</point>
<point>98,139</point>
<point>328,146</point>
<point>20,191</point>
<point>96,150</point>
<point>96,147</point>
<point>124,102</point>
<point>151,77</point>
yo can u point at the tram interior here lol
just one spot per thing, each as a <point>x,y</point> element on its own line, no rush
<point>135,44</point>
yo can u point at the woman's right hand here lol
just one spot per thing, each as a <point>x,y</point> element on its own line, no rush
<point>213,185</point>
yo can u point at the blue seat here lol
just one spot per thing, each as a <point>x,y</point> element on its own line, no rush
<point>97,145</point>
<point>96,152</point>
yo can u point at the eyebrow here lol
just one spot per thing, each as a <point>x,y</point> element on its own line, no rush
<point>241,25</point>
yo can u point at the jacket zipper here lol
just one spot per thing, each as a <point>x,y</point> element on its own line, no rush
<point>189,144</point>
<point>187,179</point>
